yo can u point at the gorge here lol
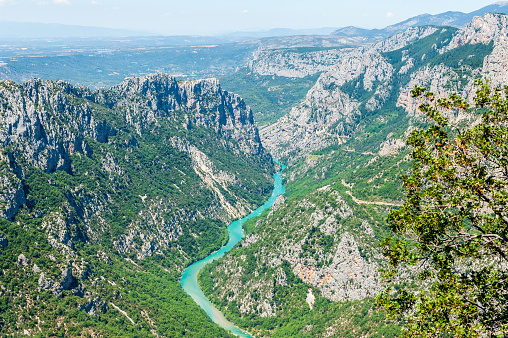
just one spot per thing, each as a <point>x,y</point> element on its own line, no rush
<point>148,207</point>
<point>189,280</point>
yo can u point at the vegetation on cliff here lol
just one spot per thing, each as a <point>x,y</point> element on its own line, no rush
<point>109,194</point>
<point>346,146</point>
<point>452,229</point>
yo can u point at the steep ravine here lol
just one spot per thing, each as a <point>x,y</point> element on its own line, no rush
<point>310,266</point>
<point>189,280</point>
<point>107,195</point>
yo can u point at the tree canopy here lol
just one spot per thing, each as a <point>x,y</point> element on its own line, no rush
<point>451,234</point>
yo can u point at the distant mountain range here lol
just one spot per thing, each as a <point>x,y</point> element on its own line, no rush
<point>17,30</point>
<point>450,18</point>
<point>279,32</point>
<point>454,19</point>
<point>30,30</point>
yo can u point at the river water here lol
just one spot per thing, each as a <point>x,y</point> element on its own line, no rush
<point>189,280</point>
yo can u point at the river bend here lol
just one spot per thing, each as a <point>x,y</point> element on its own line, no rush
<point>189,280</point>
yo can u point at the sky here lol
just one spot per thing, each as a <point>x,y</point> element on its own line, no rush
<point>215,17</point>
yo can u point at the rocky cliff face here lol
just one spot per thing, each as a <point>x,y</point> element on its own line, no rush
<point>29,126</point>
<point>45,123</point>
<point>149,167</point>
<point>212,107</point>
<point>345,146</point>
<point>329,113</point>
<point>291,63</point>
<point>307,127</point>
<point>315,236</point>
<point>356,82</point>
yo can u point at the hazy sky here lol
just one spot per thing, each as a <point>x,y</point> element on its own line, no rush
<point>208,17</point>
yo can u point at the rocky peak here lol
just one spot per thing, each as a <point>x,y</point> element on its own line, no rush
<point>162,92</point>
<point>146,85</point>
<point>3,241</point>
<point>201,103</point>
<point>483,29</point>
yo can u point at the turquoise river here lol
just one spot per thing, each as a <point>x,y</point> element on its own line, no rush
<point>189,280</point>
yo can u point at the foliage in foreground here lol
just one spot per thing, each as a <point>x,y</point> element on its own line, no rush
<point>452,230</point>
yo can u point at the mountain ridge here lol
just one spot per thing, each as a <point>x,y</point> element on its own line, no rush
<point>450,18</point>
<point>314,257</point>
<point>114,191</point>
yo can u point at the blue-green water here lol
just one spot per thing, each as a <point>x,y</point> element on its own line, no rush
<point>189,280</point>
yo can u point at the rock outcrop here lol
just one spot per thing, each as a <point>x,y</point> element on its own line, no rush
<point>3,241</point>
<point>358,82</point>
<point>310,234</point>
<point>149,167</point>
<point>22,260</point>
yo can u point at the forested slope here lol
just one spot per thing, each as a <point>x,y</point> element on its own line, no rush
<point>109,194</point>
<point>317,253</point>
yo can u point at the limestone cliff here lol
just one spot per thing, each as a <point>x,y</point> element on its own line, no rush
<point>149,168</point>
<point>345,149</point>
<point>356,83</point>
